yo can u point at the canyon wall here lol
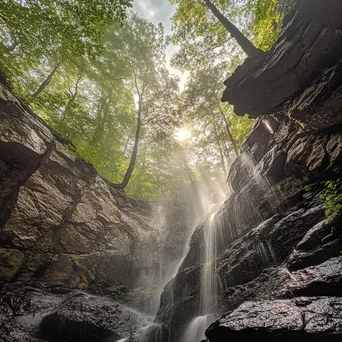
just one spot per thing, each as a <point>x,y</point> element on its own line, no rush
<point>63,225</point>
<point>278,260</point>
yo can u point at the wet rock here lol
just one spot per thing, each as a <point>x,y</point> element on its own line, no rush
<point>305,47</point>
<point>318,245</point>
<point>32,315</point>
<point>299,319</point>
<point>89,319</point>
<point>323,279</point>
<point>11,261</point>
<point>62,224</point>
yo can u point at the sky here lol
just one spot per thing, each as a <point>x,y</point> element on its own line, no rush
<point>160,11</point>
<point>156,11</point>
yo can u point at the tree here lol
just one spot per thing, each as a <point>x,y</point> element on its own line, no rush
<point>56,32</point>
<point>202,37</point>
<point>246,45</point>
<point>143,46</point>
<point>213,120</point>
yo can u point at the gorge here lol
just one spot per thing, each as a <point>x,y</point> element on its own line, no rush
<point>263,262</point>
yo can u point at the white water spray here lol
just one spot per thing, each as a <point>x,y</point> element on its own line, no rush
<point>197,327</point>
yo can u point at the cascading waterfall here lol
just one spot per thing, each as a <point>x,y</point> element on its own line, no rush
<point>153,332</point>
<point>208,278</point>
<point>209,284</point>
<point>195,330</point>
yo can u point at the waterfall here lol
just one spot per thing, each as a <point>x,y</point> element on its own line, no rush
<point>208,277</point>
<point>154,332</point>
<point>195,331</point>
<point>197,327</point>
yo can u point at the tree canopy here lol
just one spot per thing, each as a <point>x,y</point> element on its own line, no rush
<point>98,75</point>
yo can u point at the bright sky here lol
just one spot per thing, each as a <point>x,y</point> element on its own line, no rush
<point>160,11</point>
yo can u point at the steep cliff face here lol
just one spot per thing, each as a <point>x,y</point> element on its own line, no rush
<point>61,223</point>
<point>270,233</point>
<point>63,229</point>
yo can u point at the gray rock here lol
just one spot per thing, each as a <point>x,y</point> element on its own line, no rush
<point>63,225</point>
<point>299,319</point>
<point>305,47</point>
<point>86,318</point>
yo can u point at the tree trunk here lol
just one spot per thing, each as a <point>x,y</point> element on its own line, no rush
<point>72,99</point>
<point>231,138</point>
<point>101,119</point>
<point>241,39</point>
<point>46,82</point>
<point>133,160</point>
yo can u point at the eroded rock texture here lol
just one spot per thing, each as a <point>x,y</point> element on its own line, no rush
<point>63,227</point>
<point>62,224</point>
<point>274,242</point>
<point>31,314</point>
<point>299,319</point>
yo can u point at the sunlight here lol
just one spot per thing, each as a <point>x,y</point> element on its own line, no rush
<point>182,134</point>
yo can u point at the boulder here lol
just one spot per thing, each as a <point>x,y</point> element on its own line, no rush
<point>87,318</point>
<point>299,319</point>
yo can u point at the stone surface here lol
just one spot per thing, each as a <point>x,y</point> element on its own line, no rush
<point>271,231</point>
<point>278,262</point>
<point>63,225</point>
<point>31,314</point>
<point>299,319</point>
<point>88,319</point>
<point>307,45</point>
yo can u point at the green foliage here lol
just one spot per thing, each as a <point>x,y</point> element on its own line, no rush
<point>92,102</point>
<point>265,23</point>
<point>202,39</point>
<point>39,34</point>
<point>89,70</point>
<point>212,122</point>
<point>307,188</point>
<point>332,195</point>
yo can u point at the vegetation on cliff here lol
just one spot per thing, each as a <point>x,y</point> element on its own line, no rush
<point>99,77</point>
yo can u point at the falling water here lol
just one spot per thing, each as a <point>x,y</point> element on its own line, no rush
<point>208,278</point>
<point>195,331</point>
<point>197,327</point>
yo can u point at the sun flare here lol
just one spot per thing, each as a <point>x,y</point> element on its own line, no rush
<point>182,134</point>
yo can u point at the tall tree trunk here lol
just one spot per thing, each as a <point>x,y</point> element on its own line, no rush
<point>101,119</point>
<point>226,153</point>
<point>72,99</point>
<point>241,39</point>
<point>217,139</point>
<point>231,138</point>
<point>133,160</point>
<point>46,82</point>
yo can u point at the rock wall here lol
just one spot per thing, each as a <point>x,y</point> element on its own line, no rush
<point>274,242</point>
<point>62,224</point>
